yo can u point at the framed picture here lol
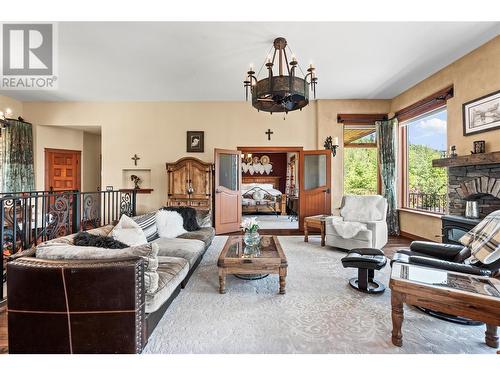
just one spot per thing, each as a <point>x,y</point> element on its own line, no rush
<point>482,114</point>
<point>195,141</point>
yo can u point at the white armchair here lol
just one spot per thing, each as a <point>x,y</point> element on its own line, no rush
<point>369,212</point>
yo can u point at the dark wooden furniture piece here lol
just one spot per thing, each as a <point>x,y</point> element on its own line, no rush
<point>234,259</point>
<point>138,191</point>
<point>278,207</point>
<point>190,183</point>
<point>453,293</point>
<point>315,222</point>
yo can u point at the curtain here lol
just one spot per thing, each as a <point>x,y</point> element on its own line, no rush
<point>17,157</point>
<point>387,149</point>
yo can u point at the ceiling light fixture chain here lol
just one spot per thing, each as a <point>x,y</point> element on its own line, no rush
<point>284,91</point>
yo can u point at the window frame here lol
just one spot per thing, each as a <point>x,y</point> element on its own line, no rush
<point>362,145</point>
<point>403,133</point>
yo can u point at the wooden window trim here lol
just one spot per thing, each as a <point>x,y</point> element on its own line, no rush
<point>429,103</point>
<point>403,133</point>
<point>360,119</point>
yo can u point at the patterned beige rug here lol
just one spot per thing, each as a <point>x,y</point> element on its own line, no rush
<point>319,314</point>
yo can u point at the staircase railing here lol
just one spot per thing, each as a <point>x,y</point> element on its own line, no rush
<point>29,218</point>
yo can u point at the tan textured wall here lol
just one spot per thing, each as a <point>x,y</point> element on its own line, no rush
<point>52,137</point>
<point>91,165</point>
<point>327,126</point>
<point>68,139</point>
<point>474,75</point>
<point>15,105</point>
<point>156,131</point>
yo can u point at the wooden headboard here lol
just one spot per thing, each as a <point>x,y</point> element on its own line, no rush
<point>275,180</point>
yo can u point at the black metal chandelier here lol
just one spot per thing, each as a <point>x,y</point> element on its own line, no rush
<point>281,92</point>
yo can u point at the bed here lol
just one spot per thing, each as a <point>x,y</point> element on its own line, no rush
<point>261,194</point>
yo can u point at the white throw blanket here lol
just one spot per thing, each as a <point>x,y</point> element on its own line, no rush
<point>348,229</point>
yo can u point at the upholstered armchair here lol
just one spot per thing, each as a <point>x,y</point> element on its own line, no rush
<point>361,223</point>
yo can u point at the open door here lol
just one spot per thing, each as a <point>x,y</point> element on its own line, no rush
<point>227,191</point>
<point>315,169</point>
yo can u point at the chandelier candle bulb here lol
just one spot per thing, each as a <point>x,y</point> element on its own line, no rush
<point>335,141</point>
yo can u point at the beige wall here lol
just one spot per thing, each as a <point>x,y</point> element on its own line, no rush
<point>68,139</point>
<point>15,105</point>
<point>156,132</point>
<point>91,162</point>
<point>472,76</point>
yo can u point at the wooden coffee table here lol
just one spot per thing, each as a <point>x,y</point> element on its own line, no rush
<point>453,293</point>
<point>235,259</point>
<point>316,222</point>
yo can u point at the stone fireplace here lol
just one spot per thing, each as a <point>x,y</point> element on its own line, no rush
<point>474,182</point>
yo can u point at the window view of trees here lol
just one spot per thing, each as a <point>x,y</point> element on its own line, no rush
<point>360,160</point>
<point>360,171</point>
<point>426,140</point>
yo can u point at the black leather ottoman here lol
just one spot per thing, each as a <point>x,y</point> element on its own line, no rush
<point>366,260</point>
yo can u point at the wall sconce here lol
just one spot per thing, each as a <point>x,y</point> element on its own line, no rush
<point>5,115</point>
<point>332,144</point>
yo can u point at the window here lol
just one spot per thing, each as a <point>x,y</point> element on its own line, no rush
<point>424,139</point>
<point>360,160</point>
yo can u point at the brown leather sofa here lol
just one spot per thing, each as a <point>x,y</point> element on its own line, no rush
<point>90,306</point>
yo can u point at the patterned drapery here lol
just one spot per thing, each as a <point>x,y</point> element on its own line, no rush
<point>17,157</point>
<point>387,149</point>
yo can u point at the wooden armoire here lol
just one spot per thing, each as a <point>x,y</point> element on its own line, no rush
<point>190,183</point>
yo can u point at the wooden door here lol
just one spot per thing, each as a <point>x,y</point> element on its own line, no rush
<point>227,191</point>
<point>62,169</point>
<point>314,183</point>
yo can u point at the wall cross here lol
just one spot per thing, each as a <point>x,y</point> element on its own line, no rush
<point>269,132</point>
<point>135,158</point>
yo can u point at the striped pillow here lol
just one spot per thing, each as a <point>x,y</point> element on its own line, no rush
<point>147,222</point>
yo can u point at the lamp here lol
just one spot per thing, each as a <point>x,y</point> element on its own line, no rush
<point>332,144</point>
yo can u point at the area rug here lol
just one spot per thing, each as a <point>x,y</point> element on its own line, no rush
<point>319,313</point>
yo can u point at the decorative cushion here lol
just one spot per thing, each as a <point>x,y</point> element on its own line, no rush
<point>129,232</point>
<point>87,239</point>
<point>204,218</point>
<point>188,216</point>
<point>258,195</point>
<point>364,208</point>
<point>169,223</point>
<point>484,239</point>
<point>147,222</point>
<point>63,251</point>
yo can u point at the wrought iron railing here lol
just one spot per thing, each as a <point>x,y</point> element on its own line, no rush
<point>428,202</point>
<point>28,218</point>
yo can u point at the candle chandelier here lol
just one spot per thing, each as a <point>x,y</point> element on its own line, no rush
<point>284,91</point>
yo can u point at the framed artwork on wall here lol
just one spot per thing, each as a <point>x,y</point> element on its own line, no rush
<point>195,141</point>
<point>482,114</point>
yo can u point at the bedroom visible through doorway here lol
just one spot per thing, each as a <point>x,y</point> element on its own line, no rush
<point>269,187</point>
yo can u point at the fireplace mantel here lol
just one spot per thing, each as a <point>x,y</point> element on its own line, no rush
<point>467,160</point>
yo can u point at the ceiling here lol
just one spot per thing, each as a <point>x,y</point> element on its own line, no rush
<point>207,61</point>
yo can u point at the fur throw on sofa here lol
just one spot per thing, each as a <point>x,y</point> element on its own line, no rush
<point>87,239</point>
<point>188,214</point>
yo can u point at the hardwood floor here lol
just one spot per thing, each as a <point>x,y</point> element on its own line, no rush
<point>394,244</point>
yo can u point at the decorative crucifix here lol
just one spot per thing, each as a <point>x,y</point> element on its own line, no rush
<point>269,132</point>
<point>135,158</point>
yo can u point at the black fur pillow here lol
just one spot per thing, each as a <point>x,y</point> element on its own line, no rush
<point>87,239</point>
<point>190,223</point>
